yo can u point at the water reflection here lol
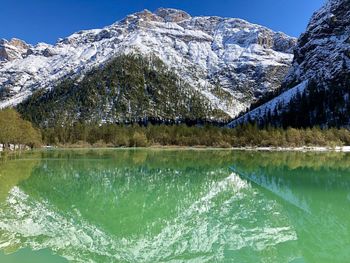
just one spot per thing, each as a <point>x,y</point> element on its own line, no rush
<point>14,170</point>
<point>176,206</point>
<point>314,190</point>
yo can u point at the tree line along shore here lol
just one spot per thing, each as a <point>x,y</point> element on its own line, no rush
<point>17,133</point>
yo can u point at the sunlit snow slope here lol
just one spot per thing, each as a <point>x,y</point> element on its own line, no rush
<point>230,61</point>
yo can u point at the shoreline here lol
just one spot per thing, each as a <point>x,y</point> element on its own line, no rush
<point>296,149</point>
<point>343,149</point>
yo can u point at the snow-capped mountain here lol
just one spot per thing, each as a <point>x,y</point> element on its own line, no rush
<point>240,59</point>
<point>13,49</point>
<point>317,88</point>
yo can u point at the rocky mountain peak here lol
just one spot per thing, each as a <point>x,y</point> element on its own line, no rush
<point>144,15</point>
<point>172,15</point>
<point>18,43</point>
<point>160,15</point>
<point>13,49</point>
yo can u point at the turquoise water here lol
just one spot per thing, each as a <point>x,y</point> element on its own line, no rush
<point>174,206</point>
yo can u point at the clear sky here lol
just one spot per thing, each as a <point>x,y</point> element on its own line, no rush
<point>47,20</point>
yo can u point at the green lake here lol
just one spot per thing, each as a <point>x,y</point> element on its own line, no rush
<point>174,206</point>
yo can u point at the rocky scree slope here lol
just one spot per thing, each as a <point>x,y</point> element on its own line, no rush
<point>317,88</point>
<point>229,61</point>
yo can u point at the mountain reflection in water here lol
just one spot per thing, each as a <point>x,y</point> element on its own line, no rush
<point>177,206</point>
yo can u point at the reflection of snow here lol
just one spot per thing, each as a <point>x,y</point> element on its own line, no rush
<point>213,221</point>
<point>42,227</point>
<point>234,182</point>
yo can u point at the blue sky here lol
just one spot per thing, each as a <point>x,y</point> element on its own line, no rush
<point>47,20</point>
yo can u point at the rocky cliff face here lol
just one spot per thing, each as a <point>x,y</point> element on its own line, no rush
<point>323,51</point>
<point>317,88</point>
<point>13,49</point>
<point>229,61</point>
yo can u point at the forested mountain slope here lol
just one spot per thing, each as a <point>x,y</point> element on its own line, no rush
<point>129,89</point>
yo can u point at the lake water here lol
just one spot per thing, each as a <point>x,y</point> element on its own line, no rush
<point>174,206</point>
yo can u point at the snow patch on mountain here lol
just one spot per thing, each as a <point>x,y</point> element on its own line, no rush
<point>272,106</point>
<point>243,59</point>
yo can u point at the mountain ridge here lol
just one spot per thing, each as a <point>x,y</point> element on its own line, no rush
<point>243,59</point>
